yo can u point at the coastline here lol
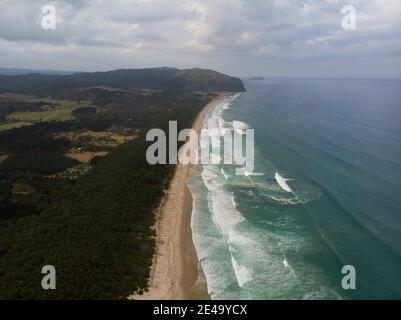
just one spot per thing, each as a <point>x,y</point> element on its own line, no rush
<point>176,270</point>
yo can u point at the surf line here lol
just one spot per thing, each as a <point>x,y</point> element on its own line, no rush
<point>282,182</point>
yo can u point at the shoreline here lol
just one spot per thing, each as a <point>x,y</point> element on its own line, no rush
<point>176,269</point>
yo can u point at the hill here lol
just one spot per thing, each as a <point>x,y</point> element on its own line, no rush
<point>170,79</point>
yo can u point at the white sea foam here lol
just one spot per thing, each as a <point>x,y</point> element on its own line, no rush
<point>238,239</point>
<point>233,200</point>
<point>224,174</point>
<point>224,213</point>
<point>239,125</point>
<point>243,274</point>
<point>247,174</point>
<point>228,220</point>
<point>282,182</point>
<point>283,201</point>
<point>227,103</point>
<point>208,175</point>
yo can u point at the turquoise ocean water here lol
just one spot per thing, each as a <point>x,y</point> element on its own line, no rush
<point>326,192</point>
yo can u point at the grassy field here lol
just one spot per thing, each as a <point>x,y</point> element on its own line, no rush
<point>37,116</point>
<point>10,97</point>
<point>53,110</point>
<point>7,126</point>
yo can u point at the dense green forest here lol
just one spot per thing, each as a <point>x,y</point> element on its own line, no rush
<point>95,226</point>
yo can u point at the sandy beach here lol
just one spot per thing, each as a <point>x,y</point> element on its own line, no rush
<point>176,269</point>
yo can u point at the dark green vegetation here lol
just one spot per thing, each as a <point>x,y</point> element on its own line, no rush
<point>84,111</point>
<point>95,228</point>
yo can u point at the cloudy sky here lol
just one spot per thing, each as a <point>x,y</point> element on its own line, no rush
<point>239,37</point>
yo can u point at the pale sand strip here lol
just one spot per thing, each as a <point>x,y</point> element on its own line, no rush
<point>175,266</point>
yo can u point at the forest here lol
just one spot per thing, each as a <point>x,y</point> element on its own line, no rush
<point>77,193</point>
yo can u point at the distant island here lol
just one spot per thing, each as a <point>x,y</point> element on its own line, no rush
<point>258,78</point>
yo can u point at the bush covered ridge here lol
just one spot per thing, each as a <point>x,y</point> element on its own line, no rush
<point>154,78</point>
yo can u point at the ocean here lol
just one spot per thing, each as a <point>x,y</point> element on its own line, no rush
<point>325,193</point>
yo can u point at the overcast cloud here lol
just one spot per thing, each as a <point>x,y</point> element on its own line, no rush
<point>239,37</point>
